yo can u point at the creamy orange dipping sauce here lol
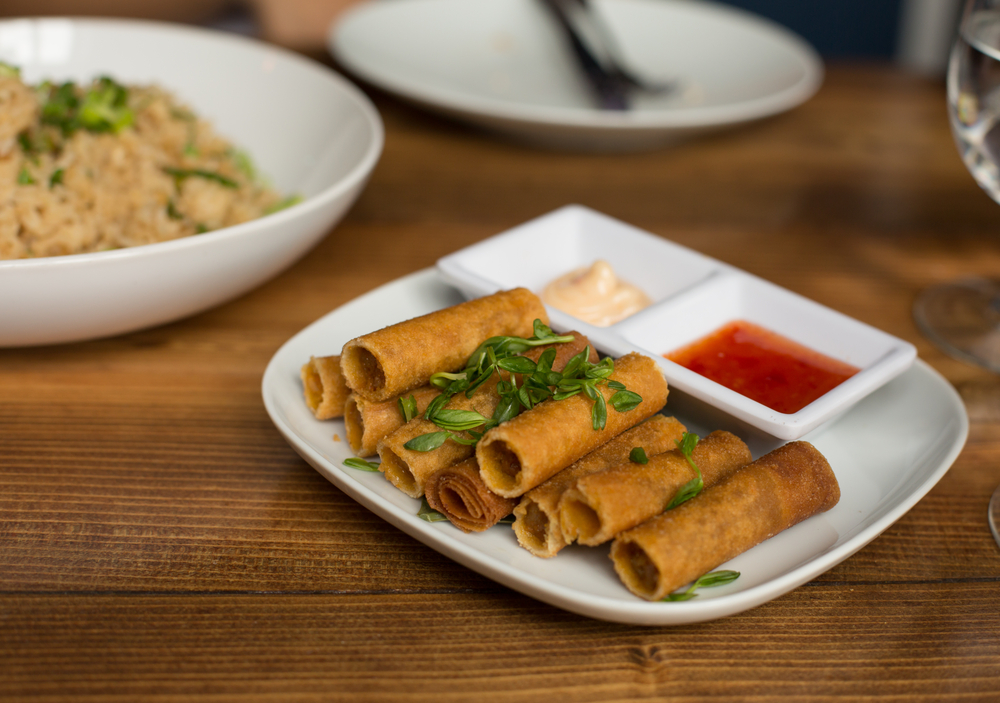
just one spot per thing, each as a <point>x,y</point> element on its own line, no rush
<point>596,295</point>
<point>763,366</point>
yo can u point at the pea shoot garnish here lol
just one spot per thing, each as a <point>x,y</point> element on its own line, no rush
<point>638,456</point>
<point>429,514</point>
<point>710,580</point>
<point>538,383</point>
<point>689,490</point>
<point>360,464</point>
<point>408,408</point>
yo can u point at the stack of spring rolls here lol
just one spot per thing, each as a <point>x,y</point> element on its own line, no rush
<point>564,480</point>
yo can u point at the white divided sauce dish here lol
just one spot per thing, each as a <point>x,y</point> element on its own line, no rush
<point>693,295</point>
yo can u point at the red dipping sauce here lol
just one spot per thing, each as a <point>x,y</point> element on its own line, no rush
<point>763,366</point>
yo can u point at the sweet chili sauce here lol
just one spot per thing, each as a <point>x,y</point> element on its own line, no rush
<point>763,366</point>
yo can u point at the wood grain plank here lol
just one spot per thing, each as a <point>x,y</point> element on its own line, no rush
<point>820,643</point>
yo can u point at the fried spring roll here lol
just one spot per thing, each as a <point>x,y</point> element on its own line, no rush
<point>599,506</point>
<point>458,493</point>
<point>536,517</point>
<point>534,446</point>
<point>778,490</point>
<point>409,470</point>
<point>324,387</point>
<point>383,364</point>
<point>367,422</point>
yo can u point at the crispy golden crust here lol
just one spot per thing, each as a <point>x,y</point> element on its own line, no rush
<point>324,387</point>
<point>599,506</point>
<point>536,517</point>
<point>778,490</point>
<point>458,493</point>
<point>367,422</point>
<point>409,470</point>
<point>383,364</point>
<point>537,444</point>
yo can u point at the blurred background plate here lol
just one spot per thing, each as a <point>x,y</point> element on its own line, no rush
<point>503,64</point>
<point>309,130</point>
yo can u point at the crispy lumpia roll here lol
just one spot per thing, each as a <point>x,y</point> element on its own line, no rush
<point>534,446</point>
<point>458,493</point>
<point>408,469</point>
<point>778,490</point>
<point>385,363</point>
<point>599,506</point>
<point>536,517</point>
<point>324,387</point>
<point>367,422</point>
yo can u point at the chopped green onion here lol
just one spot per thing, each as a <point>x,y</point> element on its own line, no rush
<point>180,174</point>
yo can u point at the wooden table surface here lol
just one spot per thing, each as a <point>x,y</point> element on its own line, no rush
<point>159,540</point>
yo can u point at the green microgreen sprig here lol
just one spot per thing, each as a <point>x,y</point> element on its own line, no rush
<point>638,456</point>
<point>429,514</point>
<point>408,408</point>
<point>689,490</point>
<point>538,383</point>
<point>710,580</point>
<point>360,464</point>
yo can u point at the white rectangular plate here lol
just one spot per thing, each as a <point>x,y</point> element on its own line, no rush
<point>887,451</point>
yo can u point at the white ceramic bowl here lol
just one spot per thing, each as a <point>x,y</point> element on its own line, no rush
<point>693,295</point>
<point>309,131</point>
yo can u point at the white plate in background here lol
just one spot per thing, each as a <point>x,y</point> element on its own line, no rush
<point>503,64</point>
<point>887,452</point>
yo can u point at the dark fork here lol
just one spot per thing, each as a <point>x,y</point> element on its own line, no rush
<point>597,55</point>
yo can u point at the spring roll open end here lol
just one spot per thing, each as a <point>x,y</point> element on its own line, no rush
<point>354,426</point>
<point>324,387</point>
<point>636,569</point>
<point>579,520</point>
<point>501,466</point>
<point>532,526</point>
<point>362,370</point>
<point>399,474</point>
<point>312,386</point>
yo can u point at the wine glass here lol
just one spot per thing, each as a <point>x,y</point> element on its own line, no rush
<point>963,317</point>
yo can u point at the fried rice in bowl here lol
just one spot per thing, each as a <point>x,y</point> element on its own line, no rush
<point>151,171</point>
